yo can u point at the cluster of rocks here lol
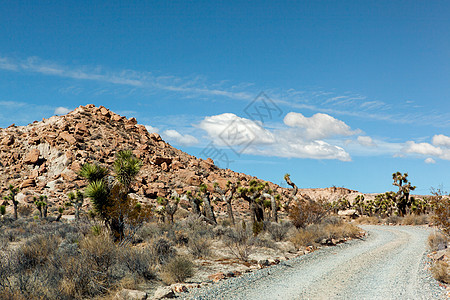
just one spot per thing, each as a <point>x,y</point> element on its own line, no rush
<point>43,158</point>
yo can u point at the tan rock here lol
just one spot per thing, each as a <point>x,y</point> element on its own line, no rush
<point>8,140</point>
<point>27,183</point>
<point>116,118</point>
<point>67,137</point>
<point>127,294</point>
<point>156,137</point>
<point>217,277</point>
<point>104,111</point>
<point>69,176</point>
<point>32,157</point>
<point>81,129</point>
<point>132,121</point>
<point>164,292</point>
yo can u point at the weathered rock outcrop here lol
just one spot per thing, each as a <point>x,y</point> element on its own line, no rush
<point>44,157</point>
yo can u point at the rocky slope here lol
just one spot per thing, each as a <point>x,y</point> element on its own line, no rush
<point>43,158</point>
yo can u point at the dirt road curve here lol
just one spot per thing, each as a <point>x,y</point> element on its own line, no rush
<point>389,264</point>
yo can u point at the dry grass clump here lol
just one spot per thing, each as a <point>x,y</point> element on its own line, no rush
<point>240,241</point>
<point>413,219</point>
<point>178,269</point>
<point>368,220</point>
<point>441,271</point>
<point>199,246</point>
<point>437,241</point>
<point>278,231</point>
<point>394,219</point>
<point>313,235</point>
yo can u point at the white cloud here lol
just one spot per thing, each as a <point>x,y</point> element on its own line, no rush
<point>441,140</point>
<point>422,148</point>
<point>61,110</point>
<point>228,130</point>
<point>183,140</point>
<point>319,126</point>
<point>234,132</point>
<point>366,141</point>
<point>440,147</point>
<point>429,160</point>
<point>151,129</point>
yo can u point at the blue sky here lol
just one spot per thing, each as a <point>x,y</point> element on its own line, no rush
<point>347,92</point>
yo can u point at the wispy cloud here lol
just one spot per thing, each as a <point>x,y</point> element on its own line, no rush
<point>315,100</point>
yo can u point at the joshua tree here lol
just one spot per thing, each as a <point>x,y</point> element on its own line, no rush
<point>41,205</point>
<point>252,194</point>
<point>207,207</point>
<point>195,202</point>
<point>12,196</point>
<point>60,212</point>
<point>76,200</point>
<point>227,196</point>
<point>109,195</point>
<point>169,206</point>
<point>404,188</point>
<point>272,203</point>
<point>293,196</point>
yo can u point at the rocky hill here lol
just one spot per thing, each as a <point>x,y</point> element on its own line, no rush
<point>43,158</point>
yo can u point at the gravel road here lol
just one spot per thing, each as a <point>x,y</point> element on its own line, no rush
<point>390,263</point>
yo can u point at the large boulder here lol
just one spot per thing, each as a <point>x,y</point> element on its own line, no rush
<point>32,157</point>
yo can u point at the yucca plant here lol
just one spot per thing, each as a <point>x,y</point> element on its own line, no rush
<point>76,200</point>
<point>13,191</point>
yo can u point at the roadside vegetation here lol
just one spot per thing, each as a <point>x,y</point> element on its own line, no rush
<point>124,244</point>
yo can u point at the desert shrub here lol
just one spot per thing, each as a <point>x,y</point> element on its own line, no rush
<point>148,231</point>
<point>306,212</point>
<point>373,220</point>
<point>441,271</point>
<point>264,240</point>
<point>331,220</point>
<point>339,231</point>
<point>162,250</point>
<point>196,225</point>
<point>304,238</point>
<point>278,231</point>
<point>413,219</point>
<point>257,227</point>
<point>437,241</point>
<point>393,219</point>
<point>25,210</point>
<point>178,269</point>
<point>140,262</point>
<point>35,252</point>
<point>239,241</point>
<point>441,210</point>
<point>199,246</point>
<point>314,234</point>
<point>101,253</point>
<point>219,231</point>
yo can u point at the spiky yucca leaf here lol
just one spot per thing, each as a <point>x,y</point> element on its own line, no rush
<point>126,167</point>
<point>93,172</point>
<point>98,192</point>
